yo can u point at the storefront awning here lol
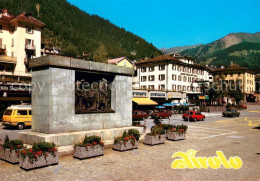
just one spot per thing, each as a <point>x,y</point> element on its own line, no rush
<point>144,101</point>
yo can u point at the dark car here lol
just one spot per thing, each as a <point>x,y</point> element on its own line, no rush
<point>230,113</point>
<point>193,116</point>
<point>139,115</point>
<point>161,114</point>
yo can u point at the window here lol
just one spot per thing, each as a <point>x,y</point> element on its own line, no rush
<point>173,67</point>
<point>151,87</point>
<point>124,63</point>
<point>143,69</point>
<point>184,88</point>
<point>173,77</point>
<point>161,67</point>
<point>184,69</point>
<point>173,87</point>
<point>30,112</point>
<point>179,78</point>
<point>189,70</point>
<point>21,112</point>
<point>184,78</point>
<point>179,87</point>
<point>188,88</point>
<point>189,79</point>
<point>162,77</point>
<point>151,77</point>
<point>151,68</point>
<point>161,86</point>
<point>29,29</point>
<point>179,68</point>
<point>1,28</point>
<point>143,78</point>
<point>8,112</point>
<point>143,87</point>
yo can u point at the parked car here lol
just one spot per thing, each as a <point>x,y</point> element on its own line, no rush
<point>230,113</point>
<point>193,116</point>
<point>243,106</point>
<point>139,115</point>
<point>18,116</point>
<point>161,114</point>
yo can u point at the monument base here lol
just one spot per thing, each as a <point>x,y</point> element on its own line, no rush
<point>71,138</point>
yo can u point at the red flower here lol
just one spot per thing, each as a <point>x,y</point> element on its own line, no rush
<point>173,129</point>
<point>181,130</point>
<point>24,151</point>
<point>11,148</point>
<point>31,150</point>
<point>95,143</point>
<point>54,149</point>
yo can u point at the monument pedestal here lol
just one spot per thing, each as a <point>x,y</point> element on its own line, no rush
<point>72,98</point>
<point>71,138</point>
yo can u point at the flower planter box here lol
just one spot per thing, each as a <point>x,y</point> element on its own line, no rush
<point>27,164</point>
<point>175,136</point>
<point>90,151</point>
<point>154,140</point>
<point>9,155</point>
<point>121,146</point>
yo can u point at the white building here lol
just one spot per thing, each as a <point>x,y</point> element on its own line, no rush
<point>177,76</point>
<point>20,39</point>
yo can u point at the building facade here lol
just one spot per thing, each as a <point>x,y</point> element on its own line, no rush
<point>20,40</point>
<point>177,76</point>
<point>240,76</point>
<point>121,61</point>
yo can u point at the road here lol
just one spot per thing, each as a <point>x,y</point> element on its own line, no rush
<point>233,136</point>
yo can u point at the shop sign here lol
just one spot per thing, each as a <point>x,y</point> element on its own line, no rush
<point>158,94</point>
<point>139,94</point>
<point>15,88</point>
<point>173,95</point>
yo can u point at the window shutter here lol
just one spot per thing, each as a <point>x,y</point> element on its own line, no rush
<point>33,43</point>
<point>0,41</point>
<point>25,41</point>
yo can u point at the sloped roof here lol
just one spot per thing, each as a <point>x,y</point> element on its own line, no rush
<point>117,60</point>
<point>28,18</point>
<point>233,67</point>
<point>5,16</point>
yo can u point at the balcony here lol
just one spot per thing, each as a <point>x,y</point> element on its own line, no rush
<point>2,47</point>
<point>7,59</point>
<point>30,47</point>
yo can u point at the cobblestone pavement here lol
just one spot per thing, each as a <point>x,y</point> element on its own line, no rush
<point>233,136</point>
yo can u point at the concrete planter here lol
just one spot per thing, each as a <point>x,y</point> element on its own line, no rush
<point>26,164</point>
<point>90,151</point>
<point>9,155</point>
<point>121,146</point>
<point>175,136</point>
<point>154,140</point>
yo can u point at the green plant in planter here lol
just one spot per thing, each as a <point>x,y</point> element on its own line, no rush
<point>179,128</point>
<point>13,144</point>
<point>38,150</point>
<point>168,126</point>
<point>91,141</point>
<point>132,135</point>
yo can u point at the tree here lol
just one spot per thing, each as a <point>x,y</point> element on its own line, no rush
<point>100,55</point>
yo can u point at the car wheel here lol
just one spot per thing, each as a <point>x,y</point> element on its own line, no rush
<point>20,126</point>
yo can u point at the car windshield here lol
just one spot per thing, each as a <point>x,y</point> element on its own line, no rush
<point>8,112</point>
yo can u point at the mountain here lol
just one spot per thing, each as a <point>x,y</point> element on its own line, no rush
<point>178,49</point>
<point>78,32</point>
<point>240,48</point>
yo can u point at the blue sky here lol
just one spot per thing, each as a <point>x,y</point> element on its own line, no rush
<point>169,23</point>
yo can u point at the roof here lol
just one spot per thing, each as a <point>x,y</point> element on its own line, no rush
<point>117,60</point>
<point>24,17</point>
<point>233,67</point>
<point>27,17</point>
<point>168,58</point>
<point>5,16</point>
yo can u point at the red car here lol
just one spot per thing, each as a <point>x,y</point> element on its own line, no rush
<point>139,115</point>
<point>161,115</point>
<point>193,115</point>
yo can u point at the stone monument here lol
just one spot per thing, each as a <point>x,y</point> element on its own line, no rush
<point>72,98</point>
